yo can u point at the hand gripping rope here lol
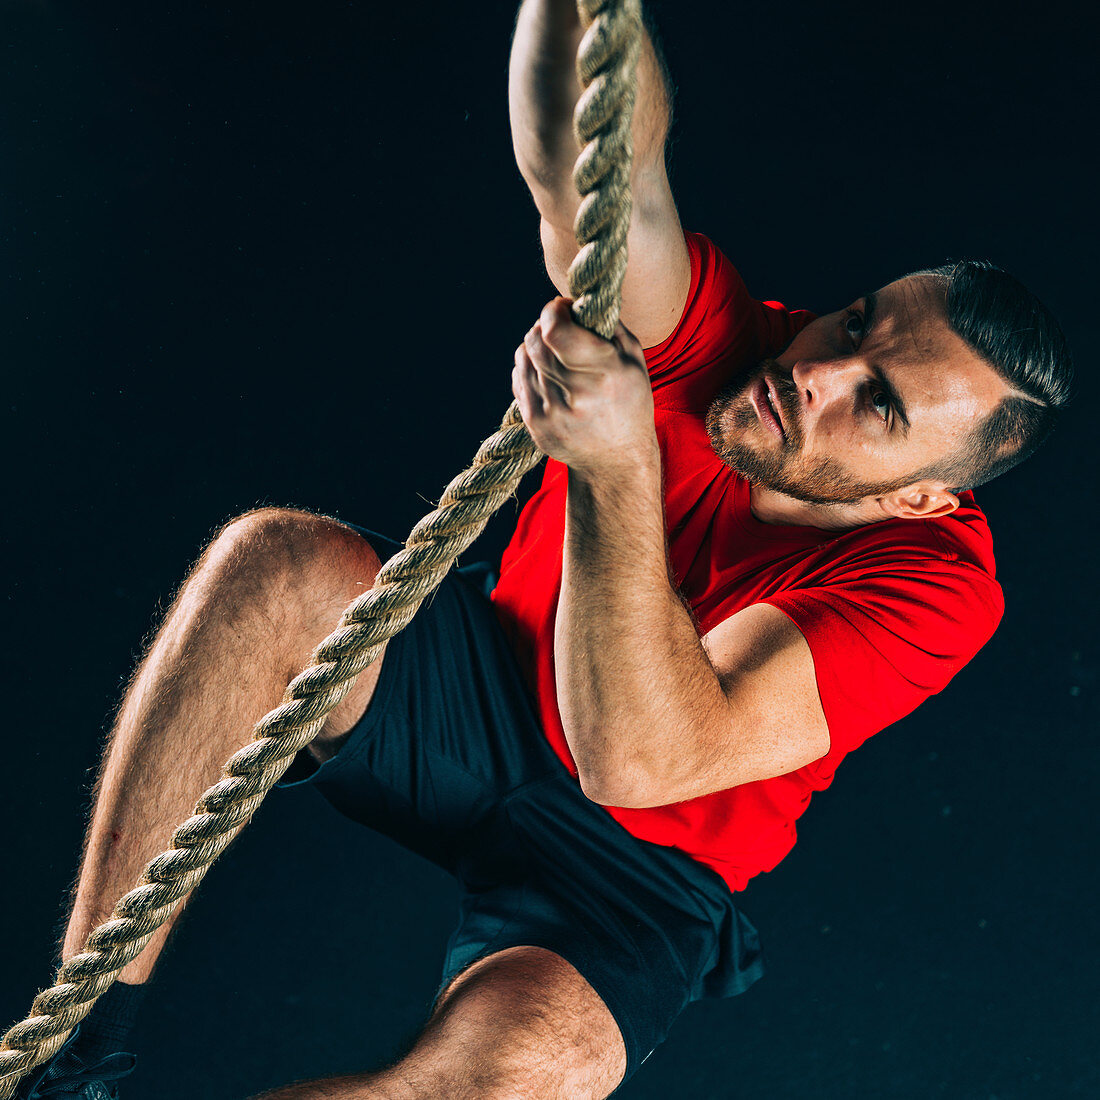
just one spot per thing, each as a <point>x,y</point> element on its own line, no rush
<point>606,64</point>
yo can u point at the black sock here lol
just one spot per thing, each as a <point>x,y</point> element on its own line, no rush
<point>104,1030</point>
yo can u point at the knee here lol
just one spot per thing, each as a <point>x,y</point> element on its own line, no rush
<point>291,559</point>
<point>519,1025</point>
<point>525,1060</point>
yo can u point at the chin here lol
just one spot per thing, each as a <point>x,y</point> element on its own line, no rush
<point>826,483</point>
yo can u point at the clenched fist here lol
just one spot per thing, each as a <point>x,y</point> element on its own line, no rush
<point>586,401</point>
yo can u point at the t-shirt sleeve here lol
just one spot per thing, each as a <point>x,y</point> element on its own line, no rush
<point>883,640</point>
<point>721,324</point>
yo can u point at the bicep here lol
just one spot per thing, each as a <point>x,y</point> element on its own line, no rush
<point>658,272</point>
<point>766,670</point>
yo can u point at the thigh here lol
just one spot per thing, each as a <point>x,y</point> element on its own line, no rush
<point>449,731</point>
<point>363,556</point>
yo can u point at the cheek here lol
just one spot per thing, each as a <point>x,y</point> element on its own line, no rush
<point>834,434</point>
<point>838,441</point>
<point>815,341</point>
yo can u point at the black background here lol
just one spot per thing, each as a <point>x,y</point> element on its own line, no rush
<point>280,253</point>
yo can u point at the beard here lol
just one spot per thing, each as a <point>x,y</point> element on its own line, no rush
<point>732,423</point>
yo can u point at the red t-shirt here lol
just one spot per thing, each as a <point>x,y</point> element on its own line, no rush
<point>891,611</point>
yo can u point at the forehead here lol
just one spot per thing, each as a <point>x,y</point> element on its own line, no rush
<point>933,367</point>
<point>911,314</point>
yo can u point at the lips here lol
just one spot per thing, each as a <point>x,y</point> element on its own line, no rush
<point>766,404</point>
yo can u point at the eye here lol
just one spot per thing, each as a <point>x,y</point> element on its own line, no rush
<point>880,403</point>
<point>854,326</point>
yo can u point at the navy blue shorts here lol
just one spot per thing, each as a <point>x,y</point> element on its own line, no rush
<point>450,761</point>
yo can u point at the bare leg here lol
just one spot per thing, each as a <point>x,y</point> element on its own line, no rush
<point>521,1023</point>
<point>263,594</point>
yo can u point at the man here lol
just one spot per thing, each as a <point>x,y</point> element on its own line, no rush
<point>752,549</point>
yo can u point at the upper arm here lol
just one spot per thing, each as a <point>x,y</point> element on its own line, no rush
<point>883,641</point>
<point>658,272</point>
<point>776,723</point>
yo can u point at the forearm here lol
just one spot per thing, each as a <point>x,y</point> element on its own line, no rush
<point>542,93</point>
<point>635,686</point>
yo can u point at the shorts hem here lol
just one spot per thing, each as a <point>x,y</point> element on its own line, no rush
<point>372,717</point>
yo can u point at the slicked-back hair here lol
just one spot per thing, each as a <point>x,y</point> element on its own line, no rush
<point>1001,320</point>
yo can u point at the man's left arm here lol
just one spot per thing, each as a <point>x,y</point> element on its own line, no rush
<point>653,713</point>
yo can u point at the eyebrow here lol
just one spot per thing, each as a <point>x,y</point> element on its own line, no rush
<point>870,303</point>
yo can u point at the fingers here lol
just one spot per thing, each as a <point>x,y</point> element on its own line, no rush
<point>557,354</point>
<point>536,384</point>
<point>579,348</point>
<point>570,342</point>
<point>628,343</point>
<point>527,386</point>
<point>552,375</point>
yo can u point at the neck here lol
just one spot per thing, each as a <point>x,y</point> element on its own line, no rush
<point>769,506</point>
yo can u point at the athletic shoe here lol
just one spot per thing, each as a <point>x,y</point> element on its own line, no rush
<point>66,1074</point>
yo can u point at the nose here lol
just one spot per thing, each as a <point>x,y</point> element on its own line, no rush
<point>823,383</point>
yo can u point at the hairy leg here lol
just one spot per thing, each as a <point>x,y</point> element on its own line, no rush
<point>522,1024</point>
<point>266,590</point>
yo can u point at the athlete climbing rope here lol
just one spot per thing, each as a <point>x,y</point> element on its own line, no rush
<point>754,546</point>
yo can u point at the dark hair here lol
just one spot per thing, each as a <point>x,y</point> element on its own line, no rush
<point>1016,334</point>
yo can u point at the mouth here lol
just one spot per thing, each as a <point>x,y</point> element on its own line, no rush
<point>766,403</point>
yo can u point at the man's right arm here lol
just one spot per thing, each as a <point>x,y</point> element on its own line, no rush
<point>542,92</point>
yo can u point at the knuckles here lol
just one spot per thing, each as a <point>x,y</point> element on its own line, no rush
<point>604,401</point>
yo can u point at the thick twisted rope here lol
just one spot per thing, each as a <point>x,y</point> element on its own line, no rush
<point>606,62</point>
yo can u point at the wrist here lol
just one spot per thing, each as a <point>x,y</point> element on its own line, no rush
<point>635,468</point>
<point>614,504</point>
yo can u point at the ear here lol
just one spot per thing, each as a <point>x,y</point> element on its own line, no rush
<point>921,500</point>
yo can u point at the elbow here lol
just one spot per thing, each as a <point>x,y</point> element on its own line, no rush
<point>621,785</point>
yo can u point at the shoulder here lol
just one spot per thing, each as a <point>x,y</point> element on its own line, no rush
<point>891,612</point>
<point>965,536</point>
<point>929,583</point>
<point>722,326</point>
<point>960,543</point>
